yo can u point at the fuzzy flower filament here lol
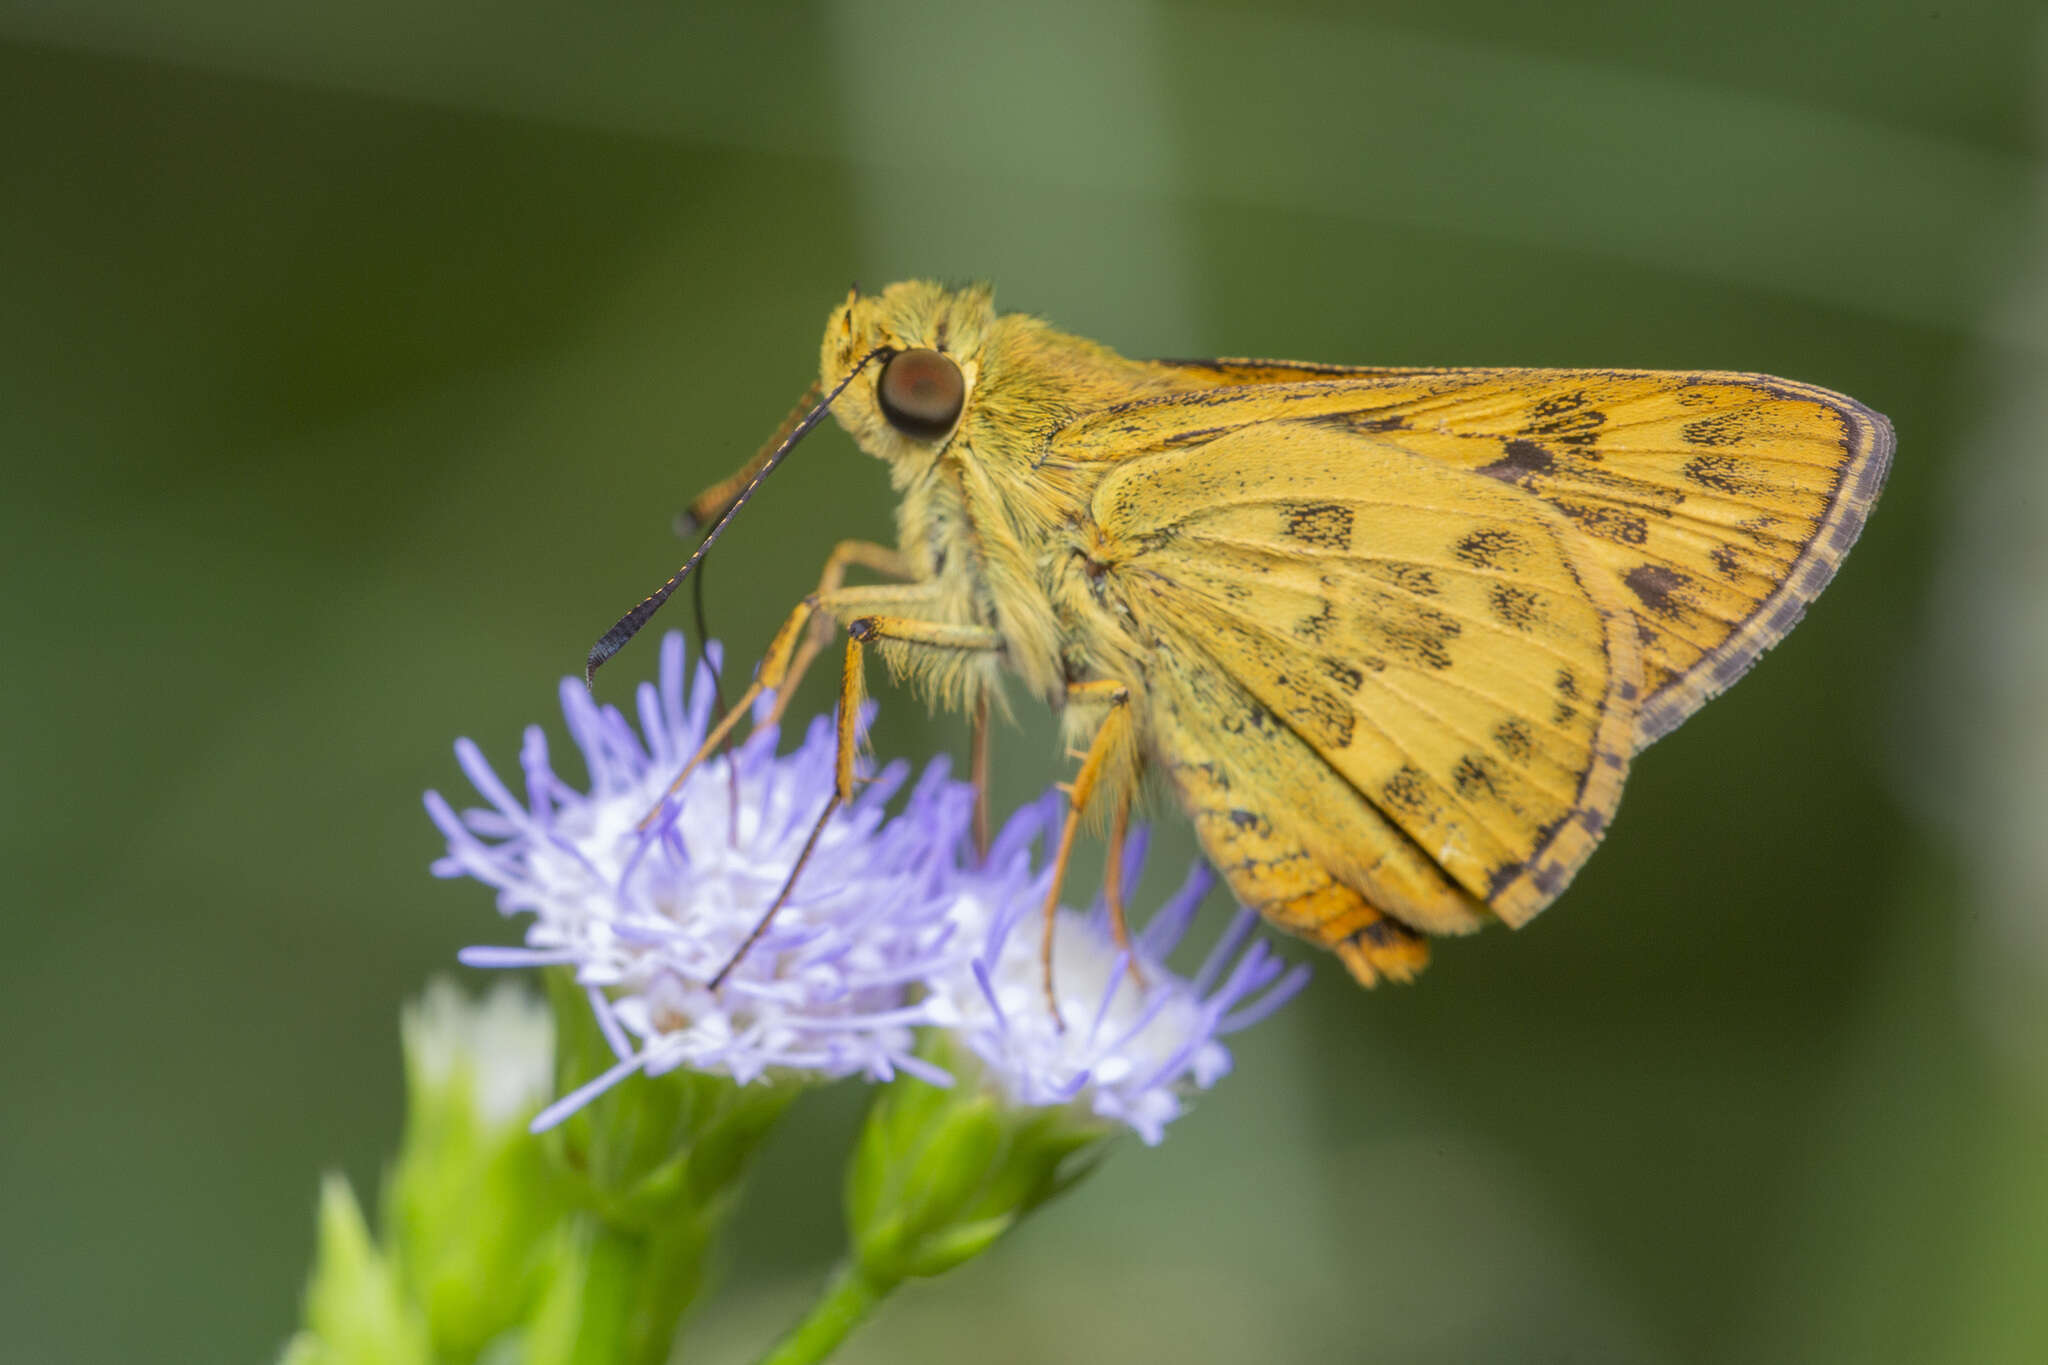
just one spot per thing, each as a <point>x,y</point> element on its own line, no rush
<point>1128,1054</point>
<point>646,917</point>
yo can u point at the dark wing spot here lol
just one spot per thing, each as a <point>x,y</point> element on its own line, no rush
<point>1490,548</point>
<point>1564,714</point>
<point>1343,674</point>
<point>1316,628</point>
<point>1514,739</point>
<point>1566,419</point>
<point>1367,422</point>
<point>1608,523</point>
<point>1497,881</point>
<point>1251,820</point>
<point>1515,606</point>
<point>1759,528</point>
<point>1721,429</point>
<point>1567,685</point>
<point>1657,585</point>
<point>1386,933</point>
<point>1475,775</point>
<point>1418,579</point>
<point>1325,525</point>
<point>1326,720</point>
<point>1407,790</point>
<point>1423,638</point>
<point>1520,462</point>
<point>1256,719</point>
<point>1727,563</point>
<point>1722,473</point>
<point>1430,650</point>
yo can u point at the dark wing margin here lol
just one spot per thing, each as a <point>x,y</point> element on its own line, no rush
<point>1867,444</point>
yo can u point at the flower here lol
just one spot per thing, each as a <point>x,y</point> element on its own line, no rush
<point>646,918</point>
<point>1126,1054</point>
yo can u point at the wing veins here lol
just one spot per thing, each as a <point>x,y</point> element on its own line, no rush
<point>1476,743</point>
<point>1410,758</point>
<point>1309,555</point>
<point>1673,518</point>
<point>1569,798</point>
<point>1436,604</point>
<point>1470,812</point>
<point>1445,680</point>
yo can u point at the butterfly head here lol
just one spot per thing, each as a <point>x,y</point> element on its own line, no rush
<point>922,347</point>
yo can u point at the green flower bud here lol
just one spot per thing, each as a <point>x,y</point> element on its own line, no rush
<point>357,1312</point>
<point>472,1198</point>
<point>940,1173</point>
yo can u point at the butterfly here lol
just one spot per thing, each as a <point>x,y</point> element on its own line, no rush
<point>1390,637</point>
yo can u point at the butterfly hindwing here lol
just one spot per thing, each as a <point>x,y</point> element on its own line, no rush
<point>1386,658</point>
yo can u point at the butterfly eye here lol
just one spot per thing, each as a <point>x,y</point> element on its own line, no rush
<point>921,393</point>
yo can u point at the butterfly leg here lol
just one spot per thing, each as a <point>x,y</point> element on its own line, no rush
<point>860,632</point>
<point>1113,888</point>
<point>782,666</point>
<point>1114,742</point>
<point>977,774</point>
<point>847,554</point>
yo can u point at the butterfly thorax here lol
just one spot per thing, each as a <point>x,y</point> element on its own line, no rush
<point>998,529</point>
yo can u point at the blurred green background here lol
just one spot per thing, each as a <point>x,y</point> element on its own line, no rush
<point>354,359</point>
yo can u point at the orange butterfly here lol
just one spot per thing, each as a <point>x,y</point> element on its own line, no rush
<point>1391,636</point>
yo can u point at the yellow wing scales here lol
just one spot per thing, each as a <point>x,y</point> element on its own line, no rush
<point>1411,660</point>
<point>1722,503</point>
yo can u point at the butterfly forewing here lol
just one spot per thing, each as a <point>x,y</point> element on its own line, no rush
<point>1721,503</point>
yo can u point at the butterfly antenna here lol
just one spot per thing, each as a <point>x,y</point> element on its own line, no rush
<point>627,626</point>
<point>717,667</point>
<point>704,636</point>
<point>711,504</point>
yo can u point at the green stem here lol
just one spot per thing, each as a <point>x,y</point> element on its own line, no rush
<point>634,1290</point>
<point>604,1301</point>
<point>844,1305</point>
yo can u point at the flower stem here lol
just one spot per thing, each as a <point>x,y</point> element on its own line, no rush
<point>845,1304</point>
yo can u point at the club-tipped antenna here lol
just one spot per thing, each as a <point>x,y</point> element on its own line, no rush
<point>627,626</point>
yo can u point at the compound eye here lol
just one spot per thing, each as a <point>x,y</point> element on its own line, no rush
<point>921,393</point>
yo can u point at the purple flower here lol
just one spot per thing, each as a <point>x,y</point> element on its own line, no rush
<point>1126,1054</point>
<point>646,918</point>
